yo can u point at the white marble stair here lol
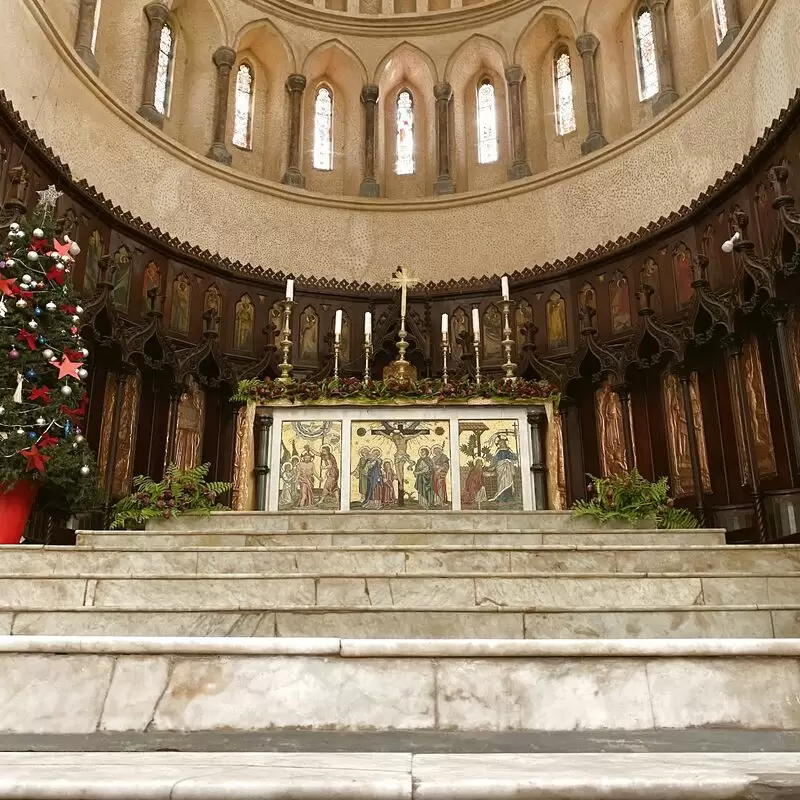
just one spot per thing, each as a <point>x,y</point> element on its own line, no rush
<point>398,776</point>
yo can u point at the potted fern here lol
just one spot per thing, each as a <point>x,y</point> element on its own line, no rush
<point>630,498</point>
<point>182,491</point>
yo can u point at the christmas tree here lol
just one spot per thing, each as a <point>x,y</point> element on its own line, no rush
<point>43,399</point>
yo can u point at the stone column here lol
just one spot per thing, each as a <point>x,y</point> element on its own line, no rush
<point>587,44</point>
<point>520,168</point>
<point>369,185</point>
<point>157,14</point>
<point>262,427</point>
<point>734,25</point>
<point>536,420</point>
<point>87,13</point>
<point>295,85</point>
<point>666,80</point>
<point>444,180</point>
<point>685,377</point>
<point>224,58</point>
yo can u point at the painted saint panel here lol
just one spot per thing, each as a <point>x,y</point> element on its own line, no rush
<point>400,465</point>
<point>311,458</point>
<point>489,466</point>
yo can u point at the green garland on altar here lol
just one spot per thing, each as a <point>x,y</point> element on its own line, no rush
<point>432,389</point>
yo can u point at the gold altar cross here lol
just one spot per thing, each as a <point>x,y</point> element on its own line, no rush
<point>403,279</point>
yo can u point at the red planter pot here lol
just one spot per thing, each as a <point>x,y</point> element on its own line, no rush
<point>15,508</point>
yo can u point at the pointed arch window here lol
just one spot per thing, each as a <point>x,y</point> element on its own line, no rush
<point>720,19</point>
<point>487,123</point>
<point>323,129</point>
<point>565,97</point>
<point>95,25</point>
<point>166,53</point>
<point>243,108</point>
<point>404,123</point>
<point>646,54</point>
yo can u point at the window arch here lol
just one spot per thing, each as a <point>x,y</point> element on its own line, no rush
<point>166,54</point>
<point>565,97</point>
<point>323,129</point>
<point>720,19</point>
<point>487,123</point>
<point>243,107</point>
<point>95,25</point>
<point>646,54</point>
<point>404,133</point>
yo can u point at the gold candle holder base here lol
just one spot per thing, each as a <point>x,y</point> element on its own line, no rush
<point>401,370</point>
<point>286,343</point>
<point>509,367</point>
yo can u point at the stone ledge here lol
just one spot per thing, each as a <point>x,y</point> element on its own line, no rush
<point>397,776</point>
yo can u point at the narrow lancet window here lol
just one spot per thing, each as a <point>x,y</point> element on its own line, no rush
<point>323,129</point>
<point>487,123</point>
<point>166,51</point>
<point>404,164</point>
<point>565,99</point>
<point>646,54</point>
<point>243,109</point>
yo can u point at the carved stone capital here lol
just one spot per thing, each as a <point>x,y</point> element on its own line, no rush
<point>369,94</point>
<point>443,91</point>
<point>587,44</point>
<point>594,141</point>
<point>156,12</point>
<point>224,57</point>
<point>514,74</point>
<point>296,83</point>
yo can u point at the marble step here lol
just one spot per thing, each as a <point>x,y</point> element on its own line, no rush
<point>454,590</point>
<point>83,684</point>
<point>517,622</point>
<point>394,560</point>
<point>379,535</point>
<point>399,776</point>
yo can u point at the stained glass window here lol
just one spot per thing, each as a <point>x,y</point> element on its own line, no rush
<point>487,123</point>
<point>565,100</point>
<point>164,71</point>
<point>95,25</point>
<point>243,108</point>
<point>405,134</point>
<point>646,52</point>
<point>720,19</point>
<point>323,129</point>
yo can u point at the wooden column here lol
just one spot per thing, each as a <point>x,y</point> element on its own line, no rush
<point>88,11</point>
<point>520,168</point>
<point>685,377</point>
<point>157,15</point>
<point>116,420</point>
<point>734,348</point>
<point>587,44</point>
<point>444,181</point>
<point>369,185</point>
<point>779,317</point>
<point>223,58</point>
<point>536,420</point>
<point>624,395</point>
<point>564,410</point>
<point>172,431</point>
<point>262,427</point>
<point>666,80</point>
<point>295,86</point>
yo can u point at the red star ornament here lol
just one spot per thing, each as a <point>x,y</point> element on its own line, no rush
<point>56,275</point>
<point>61,249</point>
<point>27,336</point>
<point>35,459</point>
<point>5,286</point>
<point>66,368</point>
<point>47,440</point>
<point>41,393</point>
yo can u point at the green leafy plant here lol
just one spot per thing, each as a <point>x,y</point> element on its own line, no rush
<point>180,492</point>
<point>631,497</point>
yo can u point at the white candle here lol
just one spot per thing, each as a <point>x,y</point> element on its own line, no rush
<point>368,324</point>
<point>444,325</point>
<point>337,324</point>
<point>290,289</point>
<point>476,325</point>
<point>504,286</point>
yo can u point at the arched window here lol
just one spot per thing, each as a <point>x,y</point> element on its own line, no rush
<point>323,129</point>
<point>487,123</point>
<point>166,51</point>
<point>646,54</point>
<point>243,108</point>
<point>95,25</point>
<point>404,164</point>
<point>565,101</point>
<point>720,19</point>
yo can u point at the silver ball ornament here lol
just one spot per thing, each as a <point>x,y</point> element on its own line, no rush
<point>14,226</point>
<point>60,267</point>
<point>38,233</point>
<point>85,470</point>
<point>79,309</point>
<point>21,303</point>
<point>48,353</point>
<point>74,249</point>
<point>83,373</point>
<point>66,390</point>
<point>51,306</point>
<point>20,432</point>
<point>85,352</point>
<point>41,421</point>
<point>79,438</point>
<point>33,324</point>
<point>33,255</point>
<point>76,318</point>
<point>27,278</point>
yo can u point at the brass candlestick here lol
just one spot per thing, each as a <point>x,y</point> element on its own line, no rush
<point>286,343</point>
<point>367,358</point>
<point>445,353</point>
<point>476,346</point>
<point>509,366</point>
<point>400,369</point>
<point>337,346</point>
